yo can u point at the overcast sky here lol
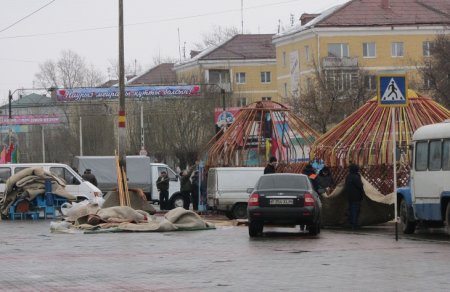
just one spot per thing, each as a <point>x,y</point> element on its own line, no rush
<point>89,28</point>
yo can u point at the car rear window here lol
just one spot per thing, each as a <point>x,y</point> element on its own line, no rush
<point>283,182</point>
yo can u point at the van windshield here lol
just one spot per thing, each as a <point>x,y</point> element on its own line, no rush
<point>65,174</point>
<point>5,173</point>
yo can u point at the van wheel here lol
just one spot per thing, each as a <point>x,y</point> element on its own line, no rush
<point>229,215</point>
<point>408,227</point>
<point>239,211</point>
<point>180,201</point>
<point>447,218</point>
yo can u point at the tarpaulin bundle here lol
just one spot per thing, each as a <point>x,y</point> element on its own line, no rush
<point>29,183</point>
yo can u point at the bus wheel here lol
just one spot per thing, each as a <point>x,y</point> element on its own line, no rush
<point>408,227</point>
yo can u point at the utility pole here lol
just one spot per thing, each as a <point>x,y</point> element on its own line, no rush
<point>122,130</point>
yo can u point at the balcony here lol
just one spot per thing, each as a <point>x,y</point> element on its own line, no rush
<point>344,62</point>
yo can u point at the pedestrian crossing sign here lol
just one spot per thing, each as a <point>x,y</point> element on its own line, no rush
<point>392,90</point>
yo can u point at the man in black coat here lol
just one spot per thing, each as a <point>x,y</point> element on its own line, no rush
<point>162,183</point>
<point>354,190</point>
<point>90,177</point>
<point>270,168</point>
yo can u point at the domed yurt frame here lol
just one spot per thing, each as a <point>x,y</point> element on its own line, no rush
<point>365,138</point>
<point>261,130</point>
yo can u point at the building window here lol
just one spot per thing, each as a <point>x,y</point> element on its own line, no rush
<point>284,59</point>
<point>427,83</point>
<point>341,80</point>
<point>370,82</point>
<point>265,77</point>
<point>218,76</point>
<point>397,49</point>
<point>307,53</point>
<point>266,98</point>
<point>240,77</point>
<point>369,50</point>
<point>427,48</point>
<point>242,101</point>
<point>338,50</point>
<point>285,90</point>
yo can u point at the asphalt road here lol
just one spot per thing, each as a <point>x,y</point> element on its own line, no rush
<point>224,259</point>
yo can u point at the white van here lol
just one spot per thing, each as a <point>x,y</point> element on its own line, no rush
<point>75,185</point>
<point>141,173</point>
<point>227,189</point>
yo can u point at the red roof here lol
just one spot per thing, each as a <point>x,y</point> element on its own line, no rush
<point>396,12</point>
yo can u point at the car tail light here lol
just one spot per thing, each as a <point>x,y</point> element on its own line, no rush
<point>253,200</point>
<point>309,200</point>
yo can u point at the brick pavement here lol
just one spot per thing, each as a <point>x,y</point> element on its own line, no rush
<point>225,259</point>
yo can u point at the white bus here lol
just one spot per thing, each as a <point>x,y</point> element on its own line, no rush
<point>427,199</point>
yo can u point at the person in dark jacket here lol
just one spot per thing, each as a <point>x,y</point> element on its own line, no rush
<point>271,166</point>
<point>309,171</point>
<point>195,190</point>
<point>354,190</point>
<point>162,183</point>
<point>185,184</point>
<point>90,177</point>
<point>324,181</point>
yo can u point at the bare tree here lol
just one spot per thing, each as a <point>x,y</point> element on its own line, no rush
<point>69,71</point>
<point>132,68</point>
<point>331,95</point>
<point>217,35</point>
<point>436,70</point>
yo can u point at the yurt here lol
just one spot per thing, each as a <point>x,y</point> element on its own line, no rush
<point>259,131</point>
<point>365,138</point>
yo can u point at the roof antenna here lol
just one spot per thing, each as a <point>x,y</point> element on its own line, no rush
<point>242,16</point>
<point>179,45</point>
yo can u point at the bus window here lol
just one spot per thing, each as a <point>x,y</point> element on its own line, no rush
<point>421,157</point>
<point>434,160</point>
<point>446,155</point>
<point>5,173</point>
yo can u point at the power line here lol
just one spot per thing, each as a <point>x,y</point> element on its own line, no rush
<point>148,22</point>
<point>25,17</point>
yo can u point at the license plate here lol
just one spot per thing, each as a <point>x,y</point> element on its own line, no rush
<point>281,201</point>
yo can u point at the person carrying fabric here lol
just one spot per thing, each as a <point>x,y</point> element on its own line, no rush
<point>354,190</point>
<point>311,173</point>
<point>185,182</point>
<point>324,181</point>
<point>162,183</point>
<point>195,190</point>
<point>271,166</point>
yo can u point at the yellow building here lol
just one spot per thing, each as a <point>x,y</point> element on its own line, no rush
<point>244,66</point>
<point>375,35</point>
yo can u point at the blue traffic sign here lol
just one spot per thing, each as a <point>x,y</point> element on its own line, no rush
<point>392,90</point>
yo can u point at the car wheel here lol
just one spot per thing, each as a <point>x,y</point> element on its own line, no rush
<point>255,229</point>
<point>180,201</point>
<point>314,228</point>
<point>407,226</point>
<point>447,218</point>
<point>239,211</point>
